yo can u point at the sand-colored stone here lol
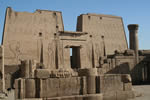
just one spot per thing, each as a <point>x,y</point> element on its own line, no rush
<point>43,61</point>
<point>42,73</point>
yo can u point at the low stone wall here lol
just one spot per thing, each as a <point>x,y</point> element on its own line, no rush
<point>50,87</point>
<point>110,85</point>
<point>115,86</point>
<point>76,97</point>
<point>107,83</point>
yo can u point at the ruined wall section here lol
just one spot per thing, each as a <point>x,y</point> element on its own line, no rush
<point>127,65</point>
<point>107,32</point>
<point>31,35</point>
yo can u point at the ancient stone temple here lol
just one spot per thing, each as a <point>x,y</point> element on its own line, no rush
<point>42,61</point>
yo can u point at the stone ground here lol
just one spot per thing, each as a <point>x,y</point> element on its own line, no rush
<point>9,97</point>
<point>141,91</point>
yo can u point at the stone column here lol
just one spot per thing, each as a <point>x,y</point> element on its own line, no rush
<point>19,88</point>
<point>30,88</point>
<point>133,35</point>
<point>2,78</point>
<point>90,74</point>
<point>91,80</point>
<point>91,84</point>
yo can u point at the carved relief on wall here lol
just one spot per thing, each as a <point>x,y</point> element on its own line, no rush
<point>60,53</point>
<point>51,53</point>
<point>89,52</point>
<point>15,49</point>
<point>98,53</point>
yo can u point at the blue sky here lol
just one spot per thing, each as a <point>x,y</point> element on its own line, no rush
<point>132,11</point>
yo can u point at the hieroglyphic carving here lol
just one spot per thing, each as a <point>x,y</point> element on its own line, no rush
<point>89,50</point>
<point>98,53</point>
<point>15,49</point>
<point>51,53</point>
<point>60,53</point>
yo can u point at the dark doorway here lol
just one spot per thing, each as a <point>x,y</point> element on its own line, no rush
<point>75,57</point>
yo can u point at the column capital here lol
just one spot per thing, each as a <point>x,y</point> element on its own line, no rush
<point>133,26</point>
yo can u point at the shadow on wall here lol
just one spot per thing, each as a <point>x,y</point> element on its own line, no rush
<point>11,73</point>
<point>121,69</point>
<point>140,73</point>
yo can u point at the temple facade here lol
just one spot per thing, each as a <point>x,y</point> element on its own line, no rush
<point>42,61</point>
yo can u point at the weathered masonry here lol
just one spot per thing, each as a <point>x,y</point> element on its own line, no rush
<point>39,59</point>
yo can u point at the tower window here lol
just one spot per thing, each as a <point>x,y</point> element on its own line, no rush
<point>40,34</point>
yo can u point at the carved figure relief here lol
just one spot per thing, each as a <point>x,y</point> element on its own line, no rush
<point>15,48</point>
<point>51,53</point>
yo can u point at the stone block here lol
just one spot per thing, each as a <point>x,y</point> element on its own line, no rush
<point>25,67</point>
<point>126,78</point>
<point>125,95</point>
<point>130,94</point>
<point>78,86</point>
<point>129,52</point>
<point>91,84</point>
<point>65,86</point>
<point>19,86</point>
<point>83,85</point>
<point>30,88</point>
<point>88,72</point>
<point>42,73</point>
<point>17,93</point>
<point>127,86</point>
<point>49,87</point>
<point>109,96</point>
<point>68,98</point>
<point>108,82</point>
<point>75,85</point>
<point>79,97</point>
<point>121,95</point>
<point>32,68</point>
<point>93,97</point>
<point>60,87</point>
<point>69,86</point>
<point>118,95</point>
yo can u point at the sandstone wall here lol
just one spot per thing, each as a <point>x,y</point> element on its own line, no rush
<point>117,86</point>
<point>127,65</point>
<point>120,64</point>
<point>107,32</point>
<point>31,36</point>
